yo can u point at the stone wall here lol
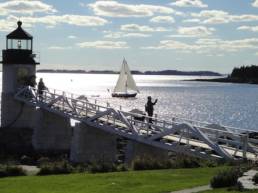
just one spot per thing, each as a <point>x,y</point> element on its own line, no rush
<point>136,150</point>
<point>91,144</point>
<point>16,114</point>
<point>53,133</point>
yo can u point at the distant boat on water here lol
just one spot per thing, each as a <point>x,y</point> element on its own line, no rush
<point>125,86</point>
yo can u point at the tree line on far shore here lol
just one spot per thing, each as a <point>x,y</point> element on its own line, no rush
<point>248,74</point>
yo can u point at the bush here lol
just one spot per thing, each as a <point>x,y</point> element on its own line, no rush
<point>226,178</point>
<point>147,163</point>
<point>255,178</point>
<point>26,160</point>
<point>43,161</point>
<point>59,167</point>
<point>102,167</point>
<point>121,168</point>
<point>187,162</point>
<point>7,170</point>
<point>80,168</point>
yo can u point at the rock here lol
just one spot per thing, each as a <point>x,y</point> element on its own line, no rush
<point>247,180</point>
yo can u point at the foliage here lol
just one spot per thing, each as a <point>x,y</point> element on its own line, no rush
<point>255,178</point>
<point>26,160</point>
<point>245,73</point>
<point>8,170</point>
<point>226,178</point>
<point>80,168</point>
<point>149,163</point>
<point>43,160</point>
<point>102,167</point>
<point>58,167</point>
<point>106,167</point>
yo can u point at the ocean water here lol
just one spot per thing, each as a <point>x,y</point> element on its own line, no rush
<point>234,105</point>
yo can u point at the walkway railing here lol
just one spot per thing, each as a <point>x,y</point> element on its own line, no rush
<point>178,135</point>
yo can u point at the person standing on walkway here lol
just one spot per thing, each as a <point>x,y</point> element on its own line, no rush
<point>41,88</point>
<point>149,108</point>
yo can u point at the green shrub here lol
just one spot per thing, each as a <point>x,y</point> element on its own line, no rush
<point>8,170</point>
<point>43,161</point>
<point>121,168</point>
<point>187,162</point>
<point>255,178</point>
<point>102,167</point>
<point>59,167</point>
<point>26,160</point>
<point>148,163</point>
<point>80,168</point>
<point>226,178</point>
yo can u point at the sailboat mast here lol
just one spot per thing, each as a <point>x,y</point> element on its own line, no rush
<point>125,78</point>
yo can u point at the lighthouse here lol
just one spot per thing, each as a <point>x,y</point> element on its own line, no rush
<point>19,69</point>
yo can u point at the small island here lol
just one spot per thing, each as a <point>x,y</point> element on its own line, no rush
<point>243,74</point>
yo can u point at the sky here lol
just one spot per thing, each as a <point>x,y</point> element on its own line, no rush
<point>188,35</point>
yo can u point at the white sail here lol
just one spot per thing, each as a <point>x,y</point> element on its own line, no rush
<point>125,81</point>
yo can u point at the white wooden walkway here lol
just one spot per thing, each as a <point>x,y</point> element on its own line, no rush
<point>179,135</point>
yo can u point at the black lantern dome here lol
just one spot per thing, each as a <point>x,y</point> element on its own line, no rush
<point>19,39</point>
<point>19,33</point>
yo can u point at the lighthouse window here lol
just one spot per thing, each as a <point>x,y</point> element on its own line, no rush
<point>19,44</point>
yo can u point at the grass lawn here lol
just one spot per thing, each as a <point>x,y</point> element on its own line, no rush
<point>229,191</point>
<point>156,181</point>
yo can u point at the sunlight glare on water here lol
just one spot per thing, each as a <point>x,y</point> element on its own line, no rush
<point>223,103</point>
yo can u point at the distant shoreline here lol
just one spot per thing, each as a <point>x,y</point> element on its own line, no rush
<point>163,72</point>
<point>227,80</point>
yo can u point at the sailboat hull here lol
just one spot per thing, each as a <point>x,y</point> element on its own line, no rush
<point>124,95</point>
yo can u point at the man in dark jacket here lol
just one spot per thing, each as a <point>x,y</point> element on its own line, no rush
<point>149,108</point>
<point>41,88</point>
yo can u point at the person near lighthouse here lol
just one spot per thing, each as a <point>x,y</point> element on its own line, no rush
<point>41,88</point>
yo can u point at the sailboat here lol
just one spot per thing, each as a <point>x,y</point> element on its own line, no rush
<point>125,86</point>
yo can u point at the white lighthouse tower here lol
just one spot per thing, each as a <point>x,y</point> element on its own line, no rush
<point>19,68</point>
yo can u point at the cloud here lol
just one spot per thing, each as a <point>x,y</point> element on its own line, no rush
<point>248,28</point>
<point>72,37</point>
<point>220,17</point>
<point>117,35</point>
<point>104,45</point>
<point>116,9</point>
<point>189,3</point>
<point>243,18</point>
<point>212,16</point>
<point>7,26</point>
<point>59,47</point>
<point>174,45</point>
<point>25,7</point>
<point>141,28</point>
<point>53,20</point>
<point>255,3</point>
<point>207,45</point>
<point>196,31</point>
<point>162,19</point>
<point>191,21</point>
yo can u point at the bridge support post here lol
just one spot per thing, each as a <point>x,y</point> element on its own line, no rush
<point>52,133</point>
<point>93,145</point>
<point>245,144</point>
